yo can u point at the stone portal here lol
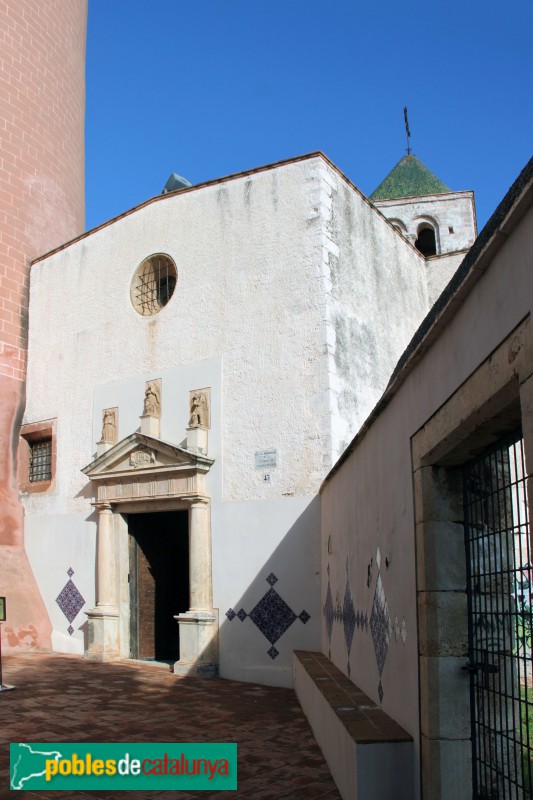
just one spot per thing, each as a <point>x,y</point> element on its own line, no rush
<point>159,487</point>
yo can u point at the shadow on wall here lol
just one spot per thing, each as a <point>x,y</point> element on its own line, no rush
<point>280,610</point>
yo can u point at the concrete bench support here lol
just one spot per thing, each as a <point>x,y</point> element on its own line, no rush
<point>370,756</point>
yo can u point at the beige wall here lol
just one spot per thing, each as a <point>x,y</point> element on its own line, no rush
<point>440,270</point>
<point>368,503</point>
<point>282,273</point>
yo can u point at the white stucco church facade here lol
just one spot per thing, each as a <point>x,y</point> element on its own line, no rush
<point>196,367</point>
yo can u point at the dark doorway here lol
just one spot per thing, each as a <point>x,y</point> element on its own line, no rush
<point>159,582</point>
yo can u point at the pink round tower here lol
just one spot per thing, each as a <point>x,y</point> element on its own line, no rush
<point>42,107</point>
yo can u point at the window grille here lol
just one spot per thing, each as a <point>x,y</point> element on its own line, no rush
<point>499,592</point>
<point>153,285</point>
<point>40,467</point>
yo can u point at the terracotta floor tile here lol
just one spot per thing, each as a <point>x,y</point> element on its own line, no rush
<point>66,698</point>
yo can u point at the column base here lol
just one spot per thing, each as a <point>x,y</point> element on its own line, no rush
<point>103,639</point>
<point>198,644</point>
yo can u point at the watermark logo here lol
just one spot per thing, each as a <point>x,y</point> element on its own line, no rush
<point>134,766</point>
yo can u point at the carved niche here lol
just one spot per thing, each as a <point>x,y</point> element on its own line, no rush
<point>152,399</point>
<point>109,425</point>
<point>199,408</point>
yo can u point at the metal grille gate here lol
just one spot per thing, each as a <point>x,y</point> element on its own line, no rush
<point>499,622</point>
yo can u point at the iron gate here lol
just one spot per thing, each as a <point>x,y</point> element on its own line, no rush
<point>499,622</point>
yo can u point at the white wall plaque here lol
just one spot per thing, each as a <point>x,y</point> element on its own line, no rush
<point>265,458</point>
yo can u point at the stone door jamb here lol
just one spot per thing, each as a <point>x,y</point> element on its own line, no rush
<point>104,620</point>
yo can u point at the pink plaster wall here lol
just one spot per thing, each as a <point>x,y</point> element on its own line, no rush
<point>42,107</point>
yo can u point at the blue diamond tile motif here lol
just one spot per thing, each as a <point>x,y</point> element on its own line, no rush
<point>70,601</point>
<point>70,629</point>
<point>272,616</point>
<point>329,613</point>
<point>70,572</point>
<point>379,625</point>
<point>348,618</point>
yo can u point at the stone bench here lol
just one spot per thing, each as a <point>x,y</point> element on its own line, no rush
<point>370,756</point>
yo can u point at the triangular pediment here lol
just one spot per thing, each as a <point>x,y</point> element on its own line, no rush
<point>139,453</point>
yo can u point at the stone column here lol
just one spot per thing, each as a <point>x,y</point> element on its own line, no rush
<point>199,626</point>
<point>105,561</point>
<point>103,620</point>
<point>200,579</point>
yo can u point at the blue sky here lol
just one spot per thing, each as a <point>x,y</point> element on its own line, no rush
<point>207,88</point>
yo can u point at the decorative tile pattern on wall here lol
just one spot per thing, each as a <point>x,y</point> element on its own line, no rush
<point>70,600</point>
<point>379,625</point>
<point>348,617</point>
<point>396,629</point>
<point>271,615</point>
<point>382,628</point>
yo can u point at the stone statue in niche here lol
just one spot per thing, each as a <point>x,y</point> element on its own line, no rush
<point>152,400</point>
<point>199,411</point>
<point>109,426</point>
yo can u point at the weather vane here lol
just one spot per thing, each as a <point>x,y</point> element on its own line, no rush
<point>408,132</point>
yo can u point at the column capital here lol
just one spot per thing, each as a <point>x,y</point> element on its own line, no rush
<point>199,501</point>
<point>103,506</point>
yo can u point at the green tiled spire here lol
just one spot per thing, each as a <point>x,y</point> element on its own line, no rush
<point>409,178</point>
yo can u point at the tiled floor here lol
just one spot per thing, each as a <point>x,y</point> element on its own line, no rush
<point>66,698</point>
